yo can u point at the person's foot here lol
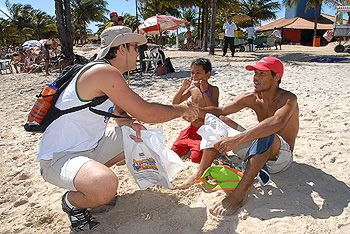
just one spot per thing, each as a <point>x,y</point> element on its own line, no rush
<point>228,206</point>
<point>188,183</point>
<point>81,219</point>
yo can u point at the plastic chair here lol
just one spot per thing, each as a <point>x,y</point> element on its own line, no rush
<point>5,65</point>
<point>153,58</point>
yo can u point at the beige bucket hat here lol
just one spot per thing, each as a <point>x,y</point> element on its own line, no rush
<point>118,35</point>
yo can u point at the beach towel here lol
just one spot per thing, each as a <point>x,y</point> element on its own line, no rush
<point>327,60</point>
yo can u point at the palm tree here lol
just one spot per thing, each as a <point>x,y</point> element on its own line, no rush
<point>212,27</point>
<point>65,29</point>
<point>130,21</point>
<point>86,11</point>
<point>316,4</point>
<point>259,10</point>
<point>43,24</point>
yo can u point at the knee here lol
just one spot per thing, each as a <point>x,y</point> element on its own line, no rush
<point>105,188</point>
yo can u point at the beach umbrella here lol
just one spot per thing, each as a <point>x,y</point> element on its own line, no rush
<point>46,41</point>
<point>32,43</point>
<point>159,23</point>
<point>241,18</point>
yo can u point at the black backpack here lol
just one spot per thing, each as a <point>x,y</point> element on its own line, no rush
<point>61,83</point>
<point>169,65</point>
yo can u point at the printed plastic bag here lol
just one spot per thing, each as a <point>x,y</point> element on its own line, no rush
<point>213,130</point>
<point>149,161</point>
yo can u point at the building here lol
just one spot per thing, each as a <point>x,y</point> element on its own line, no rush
<point>298,25</point>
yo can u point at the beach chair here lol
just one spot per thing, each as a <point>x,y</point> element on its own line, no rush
<point>5,65</point>
<point>153,58</point>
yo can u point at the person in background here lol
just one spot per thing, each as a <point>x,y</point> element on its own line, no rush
<point>251,36</point>
<point>47,58</point>
<point>278,37</point>
<point>120,20</point>
<point>113,20</point>
<point>229,38</point>
<point>188,38</point>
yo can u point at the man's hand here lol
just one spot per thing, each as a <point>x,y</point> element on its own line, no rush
<point>186,84</point>
<point>226,144</point>
<point>137,127</point>
<point>190,112</point>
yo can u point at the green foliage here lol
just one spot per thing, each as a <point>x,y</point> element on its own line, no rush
<point>24,23</point>
<point>259,10</point>
<point>85,12</point>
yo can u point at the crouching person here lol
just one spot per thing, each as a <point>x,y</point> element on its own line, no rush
<point>77,149</point>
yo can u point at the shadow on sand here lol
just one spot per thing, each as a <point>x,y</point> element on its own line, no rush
<point>150,211</point>
<point>301,190</point>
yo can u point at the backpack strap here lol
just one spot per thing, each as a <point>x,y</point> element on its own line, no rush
<point>94,102</point>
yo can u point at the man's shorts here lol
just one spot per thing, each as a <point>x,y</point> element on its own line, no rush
<point>63,167</point>
<point>284,157</point>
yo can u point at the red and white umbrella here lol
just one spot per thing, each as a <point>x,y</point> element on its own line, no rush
<point>159,23</point>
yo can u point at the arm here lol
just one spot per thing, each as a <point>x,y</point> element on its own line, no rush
<point>238,104</point>
<point>183,93</point>
<point>265,128</point>
<point>111,83</point>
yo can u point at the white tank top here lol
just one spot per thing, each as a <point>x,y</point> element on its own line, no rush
<point>76,131</point>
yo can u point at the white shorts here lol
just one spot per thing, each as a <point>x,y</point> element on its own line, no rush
<point>63,167</point>
<point>284,157</point>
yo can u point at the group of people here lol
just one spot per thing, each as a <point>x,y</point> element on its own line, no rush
<point>114,20</point>
<point>77,149</point>
<point>230,27</point>
<point>31,59</point>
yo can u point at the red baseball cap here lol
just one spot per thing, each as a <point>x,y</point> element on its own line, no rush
<point>113,13</point>
<point>268,64</point>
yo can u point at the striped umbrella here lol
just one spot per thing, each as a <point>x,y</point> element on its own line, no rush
<point>159,23</point>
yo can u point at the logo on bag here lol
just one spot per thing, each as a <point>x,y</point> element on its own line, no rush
<point>144,164</point>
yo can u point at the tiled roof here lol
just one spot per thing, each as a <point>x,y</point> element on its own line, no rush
<point>325,22</point>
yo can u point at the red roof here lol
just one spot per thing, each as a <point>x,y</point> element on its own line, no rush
<point>325,22</point>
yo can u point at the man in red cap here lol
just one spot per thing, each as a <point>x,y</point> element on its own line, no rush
<point>113,20</point>
<point>264,148</point>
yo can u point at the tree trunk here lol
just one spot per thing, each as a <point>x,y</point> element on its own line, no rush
<point>65,30</point>
<point>205,28</point>
<point>199,23</point>
<point>212,27</point>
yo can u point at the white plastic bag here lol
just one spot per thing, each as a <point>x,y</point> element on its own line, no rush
<point>150,162</point>
<point>213,130</point>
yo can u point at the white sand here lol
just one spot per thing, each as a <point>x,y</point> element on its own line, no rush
<point>310,197</point>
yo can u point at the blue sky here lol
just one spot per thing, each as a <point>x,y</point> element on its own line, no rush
<point>121,6</point>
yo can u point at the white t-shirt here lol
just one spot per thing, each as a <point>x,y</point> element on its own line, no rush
<point>276,33</point>
<point>251,32</point>
<point>229,29</point>
<point>76,131</point>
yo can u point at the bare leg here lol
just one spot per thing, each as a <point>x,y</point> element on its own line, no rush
<point>96,184</point>
<point>233,202</point>
<point>207,159</point>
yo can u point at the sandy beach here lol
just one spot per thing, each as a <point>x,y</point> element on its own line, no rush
<point>310,197</point>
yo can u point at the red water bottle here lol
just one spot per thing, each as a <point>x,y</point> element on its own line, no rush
<point>42,105</point>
